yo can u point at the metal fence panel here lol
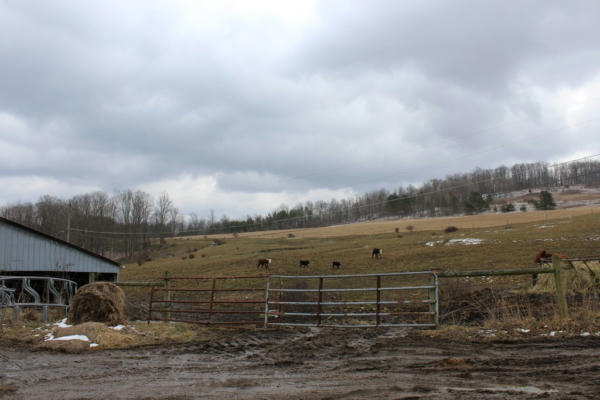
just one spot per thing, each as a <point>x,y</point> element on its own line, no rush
<point>401,299</point>
<point>36,292</point>
<point>219,301</point>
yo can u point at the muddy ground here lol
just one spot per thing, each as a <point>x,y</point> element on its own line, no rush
<point>312,364</point>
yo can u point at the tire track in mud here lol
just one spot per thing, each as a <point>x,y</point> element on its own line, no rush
<point>362,351</point>
<point>317,364</point>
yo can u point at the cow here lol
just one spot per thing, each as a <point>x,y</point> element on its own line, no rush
<point>544,257</point>
<point>263,262</point>
<point>377,253</point>
<point>336,265</point>
<point>304,263</point>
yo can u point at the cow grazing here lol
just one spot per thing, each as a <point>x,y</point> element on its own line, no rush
<point>336,265</point>
<point>377,253</point>
<point>304,263</point>
<point>263,262</point>
<point>544,257</point>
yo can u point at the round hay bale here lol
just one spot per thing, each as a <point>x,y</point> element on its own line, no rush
<point>98,302</point>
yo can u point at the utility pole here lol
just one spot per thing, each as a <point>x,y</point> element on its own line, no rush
<point>69,223</point>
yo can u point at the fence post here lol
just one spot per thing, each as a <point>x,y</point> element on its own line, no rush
<point>16,310</point>
<point>559,281</point>
<point>378,310</point>
<point>320,301</point>
<point>279,306</point>
<point>267,302</point>
<point>212,299</point>
<point>167,295</point>
<point>150,304</point>
<point>432,297</point>
<point>45,314</point>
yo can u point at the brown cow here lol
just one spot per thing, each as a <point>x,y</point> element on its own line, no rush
<point>545,257</point>
<point>263,262</point>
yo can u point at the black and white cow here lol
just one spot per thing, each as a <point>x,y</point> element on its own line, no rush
<point>304,263</point>
<point>263,262</point>
<point>377,253</point>
<point>336,265</point>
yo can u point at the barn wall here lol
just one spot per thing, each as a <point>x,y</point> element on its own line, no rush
<point>25,251</point>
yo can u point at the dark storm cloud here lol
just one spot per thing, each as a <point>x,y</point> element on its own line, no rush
<point>356,96</point>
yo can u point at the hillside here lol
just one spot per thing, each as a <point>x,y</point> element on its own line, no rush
<point>505,241</point>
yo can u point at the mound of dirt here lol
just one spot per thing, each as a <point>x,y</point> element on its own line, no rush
<point>98,302</point>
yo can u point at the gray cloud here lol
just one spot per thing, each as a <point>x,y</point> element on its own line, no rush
<point>350,97</point>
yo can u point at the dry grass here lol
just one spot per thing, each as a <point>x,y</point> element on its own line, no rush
<point>419,224</point>
<point>131,336</point>
<point>502,246</point>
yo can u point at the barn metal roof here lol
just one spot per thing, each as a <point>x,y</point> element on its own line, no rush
<point>25,249</point>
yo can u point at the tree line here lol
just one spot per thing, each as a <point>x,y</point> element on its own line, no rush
<point>128,221</point>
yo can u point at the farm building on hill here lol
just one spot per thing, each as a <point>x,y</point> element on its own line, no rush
<point>27,252</point>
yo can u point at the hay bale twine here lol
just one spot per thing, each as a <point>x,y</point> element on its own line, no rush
<point>98,302</point>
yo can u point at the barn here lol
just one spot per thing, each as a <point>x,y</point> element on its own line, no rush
<point>27,252</point>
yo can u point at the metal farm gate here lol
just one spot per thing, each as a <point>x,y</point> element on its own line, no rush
<point>400,299</point>
<point>221,300</point>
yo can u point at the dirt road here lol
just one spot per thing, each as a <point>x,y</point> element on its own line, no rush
<point>313,364</point>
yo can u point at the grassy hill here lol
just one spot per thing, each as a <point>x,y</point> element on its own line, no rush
<point>505,241</point>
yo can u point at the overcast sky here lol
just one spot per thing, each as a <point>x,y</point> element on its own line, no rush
<point>241,106</point>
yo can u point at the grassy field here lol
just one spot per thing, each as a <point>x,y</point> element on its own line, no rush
<point>421,224</point>
<point>507,241</point>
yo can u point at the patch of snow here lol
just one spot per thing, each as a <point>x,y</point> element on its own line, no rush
<point>49,337</point>
<point>487,332</point>
<point>465,241</point>
<point>522,330</point>
<point>94,344</point>
<point>72,337</point>
<point>586,334</point>
<point>63,324</point>
<point>118,327</point>
<point>545,226</point>
<point>554,333</point>
<point>433,243</point>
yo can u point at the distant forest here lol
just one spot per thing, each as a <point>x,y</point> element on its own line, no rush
<point>125,222</point>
